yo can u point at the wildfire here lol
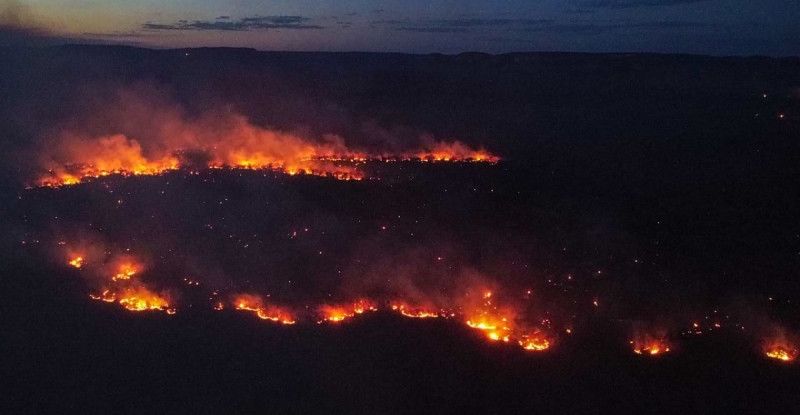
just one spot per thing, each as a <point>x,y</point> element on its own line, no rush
<point>534,342</point>
<point>136,299</point>
<point>650,346</point>
<point>455,151</point>
<point>248,302</point>
<point>106,296</point>
<point>414,312</point>
<point>780,353</point>
<point>339,313</point>
<point>781,348</point>
<point>76,262</point>
<point>125,272</point>
<point>498,325</point>
<point>496,328</point>
<point>486,318</point>
<point>245,146</point>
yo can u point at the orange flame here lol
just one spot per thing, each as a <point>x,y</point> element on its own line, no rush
<point>498,323</point>
<point>125,272</point>
<point>778,352</point>
<point>106,296</point>
<point>780,347</point>
<point>240,145</point>
<point>141,299</point>
<point>412,312</point>
<point>76,262</point>
<point>646,344</point>
<point>249,302</point>
<point>535,342</point>
<point>339,313</point>
<point>136,299</point>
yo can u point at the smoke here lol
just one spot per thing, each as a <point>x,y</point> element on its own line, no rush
<point>444,241</point>
<point>141,132</point>
<point>16,16</point>
<point>21,26</point>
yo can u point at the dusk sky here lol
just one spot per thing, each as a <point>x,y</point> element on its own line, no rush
<point>715,27</point>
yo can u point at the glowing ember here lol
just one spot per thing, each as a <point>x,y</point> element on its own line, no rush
<point>76,262</point>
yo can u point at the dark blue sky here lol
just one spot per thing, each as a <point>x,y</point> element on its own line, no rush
<point>716,27</point>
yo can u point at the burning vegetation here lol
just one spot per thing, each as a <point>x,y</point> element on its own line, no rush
<point>781,353</point>
<point>650,343</point>
<point>122,288</point>
<point>255,304</point>
<point>339,313</point>
<point>77,159</point>
<point>142,133</point>
<point>483,310</point>
<point>498,323</point>
<point>76,262</point>
<point>780,346</point>
<point>231,143</point>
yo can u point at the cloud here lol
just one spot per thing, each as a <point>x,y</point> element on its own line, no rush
<point>627,4</point>
<point>458,25</point>
<point>432,29</point>
<point>18,25</point>
<point>587,28</point>
<point>225,23</point>
<point>115,34</point>
<point>16,15</point>
<point>579,11</point>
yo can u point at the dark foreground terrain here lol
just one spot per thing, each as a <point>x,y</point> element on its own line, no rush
<point>675,176</point>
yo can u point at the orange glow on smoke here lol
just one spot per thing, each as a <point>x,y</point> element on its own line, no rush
<point>496,328</point>
<point>485,312</point>
<point>455,151</point>
<point>498,324</point>
<point>141,299</point>
<point>486,317</point>
<point>248,302</point>
<point>125,272</point>
<point>240,145</point>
